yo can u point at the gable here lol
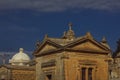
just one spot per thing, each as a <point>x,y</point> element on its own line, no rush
<point>89,46</point>
<point>47,47</point>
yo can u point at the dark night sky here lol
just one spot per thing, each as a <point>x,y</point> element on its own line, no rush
<point>22,23</point>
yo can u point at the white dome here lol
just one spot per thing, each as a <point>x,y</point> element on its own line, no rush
<point>20,58</point>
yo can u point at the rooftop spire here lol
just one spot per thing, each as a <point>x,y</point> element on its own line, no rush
<point>70,26</point>
<point>70,33</point>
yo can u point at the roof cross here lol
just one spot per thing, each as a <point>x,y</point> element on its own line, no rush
<point>70,26</point>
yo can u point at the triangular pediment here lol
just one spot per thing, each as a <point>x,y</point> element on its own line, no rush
<point>88,45</point>
<point>48,47</point>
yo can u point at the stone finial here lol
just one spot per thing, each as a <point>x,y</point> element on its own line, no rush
<point>70,26</point>
<point>88,35</point>
<point>104,40</point>
<point>104,43</point>
<point>21,50</point>
<point>70,33</point>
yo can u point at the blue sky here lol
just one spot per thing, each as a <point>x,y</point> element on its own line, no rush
<point>23,22</point>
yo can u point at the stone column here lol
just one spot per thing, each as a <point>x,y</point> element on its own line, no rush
<point>60,73</point>
<point>86,73</point>
<point>93,74</point>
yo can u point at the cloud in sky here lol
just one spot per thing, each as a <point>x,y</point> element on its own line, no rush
<point>59,5</point>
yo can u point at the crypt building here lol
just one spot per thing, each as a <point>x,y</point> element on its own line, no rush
<point>72,58</point>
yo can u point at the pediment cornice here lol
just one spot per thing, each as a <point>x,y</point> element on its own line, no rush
<point>84,44</point>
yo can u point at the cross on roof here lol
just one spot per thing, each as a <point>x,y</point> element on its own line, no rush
<point>70,26</point>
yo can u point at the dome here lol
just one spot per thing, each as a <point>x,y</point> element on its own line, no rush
<point>20,58</point>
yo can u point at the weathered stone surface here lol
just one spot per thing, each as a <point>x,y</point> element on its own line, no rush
<point>81,58</point>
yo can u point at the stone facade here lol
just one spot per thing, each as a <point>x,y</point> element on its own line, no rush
<point>68,58</point>
<point>12,72</point>
<point>72,58</point>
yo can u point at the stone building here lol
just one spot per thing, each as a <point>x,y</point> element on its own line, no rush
<point>9,72</point>
<point>72,58</point>
<point>20,68</point>
<point>65,58</point>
